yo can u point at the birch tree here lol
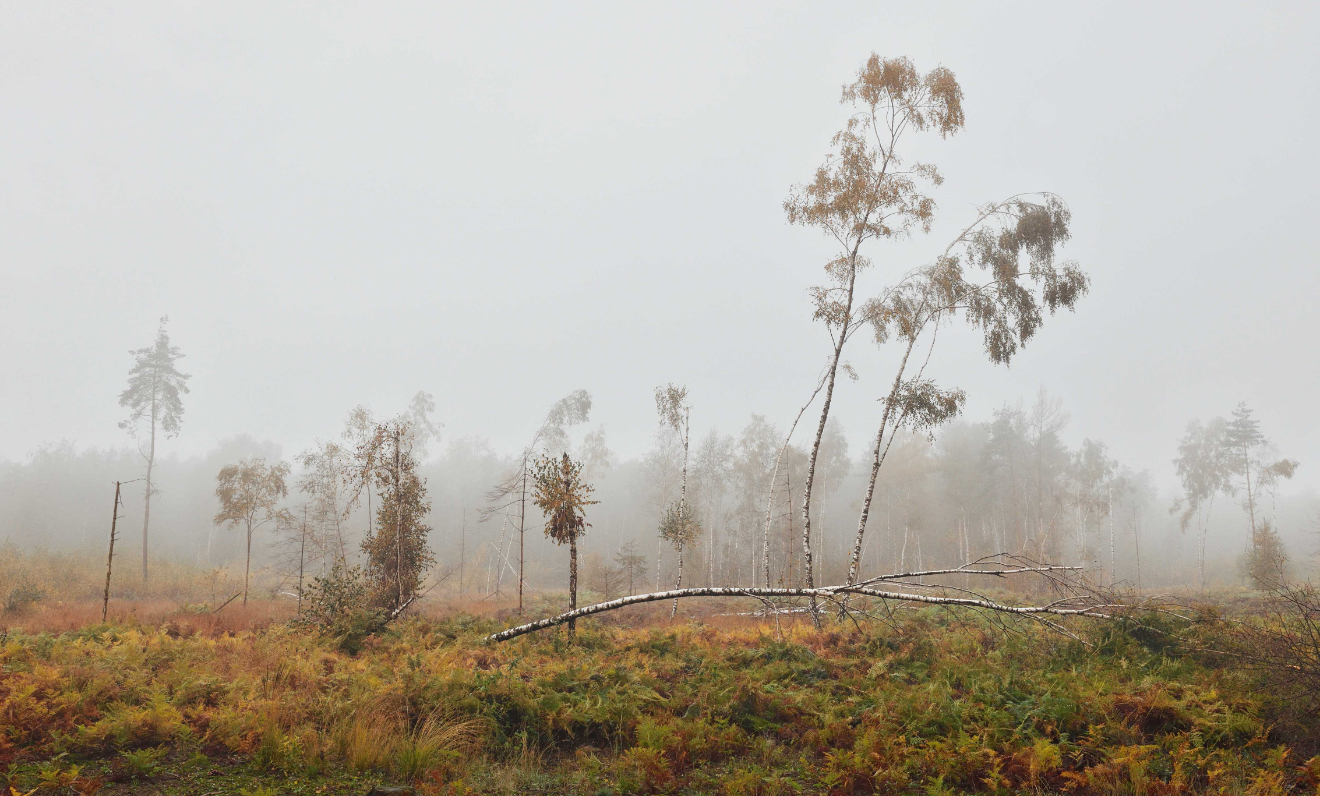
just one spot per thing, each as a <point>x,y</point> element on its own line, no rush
<point>832,467</point>
<point>866,192</point>
<point>154,396</point>
<point>1092,470</point>
<point>1205,467</point>
<point>324,468</point>
<point>1014,243</point>
<point>712,474</point>
<point>249,494</point>
<point>756,465</point>
<point>679,525</point>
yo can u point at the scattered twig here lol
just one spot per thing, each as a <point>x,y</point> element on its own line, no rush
<point>227,602</point>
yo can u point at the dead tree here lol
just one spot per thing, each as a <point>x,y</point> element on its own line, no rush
<point>110,559</point>
<point>1075,599</point>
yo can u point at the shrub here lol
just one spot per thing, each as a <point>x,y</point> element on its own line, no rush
<point>338,605</point>
<point>23,596</point>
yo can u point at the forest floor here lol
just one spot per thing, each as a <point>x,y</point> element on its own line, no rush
<point>165,701</point>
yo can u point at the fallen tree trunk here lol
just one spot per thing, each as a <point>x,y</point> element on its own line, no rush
<point>1079,605</point>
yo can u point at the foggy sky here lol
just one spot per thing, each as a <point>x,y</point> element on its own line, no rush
<point>501,204</point>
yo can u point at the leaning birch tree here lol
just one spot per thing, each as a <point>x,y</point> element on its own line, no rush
<point>1000,273</point>
<point>866,191</point>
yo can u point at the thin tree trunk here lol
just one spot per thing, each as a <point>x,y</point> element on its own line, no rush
<point>398,514</point>
<point>774,483</point>
<point>1136,538</point>
<point>820,427</point>
<point>678,584</point>
<point>820,541</point>
<point>788,563</point>
<point>902,557</point>
<point>109,560</point>
<point>881,451</point>
<point>247,566</point>
<point>572,582</point>
<point>522,527</point>
<point>1204,523</point>
<point>1205,528</point>
<point>682,497</point>
<point>1251,498</point>
<point>710,554</point>
<point>146,512</point>
<point>302,558</point>
<point>1110,509</point>
<point>339,535</point>
<point>504,557</point>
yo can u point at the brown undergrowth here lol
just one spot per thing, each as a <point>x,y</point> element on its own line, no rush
<point>936,703</point>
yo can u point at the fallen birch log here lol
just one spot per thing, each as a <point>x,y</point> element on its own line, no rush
<point>1080,605</point>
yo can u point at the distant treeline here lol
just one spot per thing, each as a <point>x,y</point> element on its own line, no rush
<point>1007,483</point>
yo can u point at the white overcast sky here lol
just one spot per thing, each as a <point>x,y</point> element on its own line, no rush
<point>499,203</point>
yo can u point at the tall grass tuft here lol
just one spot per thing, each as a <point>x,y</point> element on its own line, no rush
<point>378,737</point>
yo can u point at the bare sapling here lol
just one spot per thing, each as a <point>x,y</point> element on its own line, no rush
<point>774,477</point>
<point>110,558</point>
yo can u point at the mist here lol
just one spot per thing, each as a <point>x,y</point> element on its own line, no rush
<point>344,207</point>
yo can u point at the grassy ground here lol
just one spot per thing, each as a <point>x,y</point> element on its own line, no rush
<point>190,703</point>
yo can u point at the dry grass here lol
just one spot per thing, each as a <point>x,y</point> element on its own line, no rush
<point>931,705</point>
<point>710,702</point>
<point>62,617</point>
<point>380,735</point>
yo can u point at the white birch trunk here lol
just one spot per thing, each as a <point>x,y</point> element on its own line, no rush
<point>1082,606</point>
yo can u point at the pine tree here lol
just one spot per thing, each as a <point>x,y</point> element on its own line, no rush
<point>153,395</point>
